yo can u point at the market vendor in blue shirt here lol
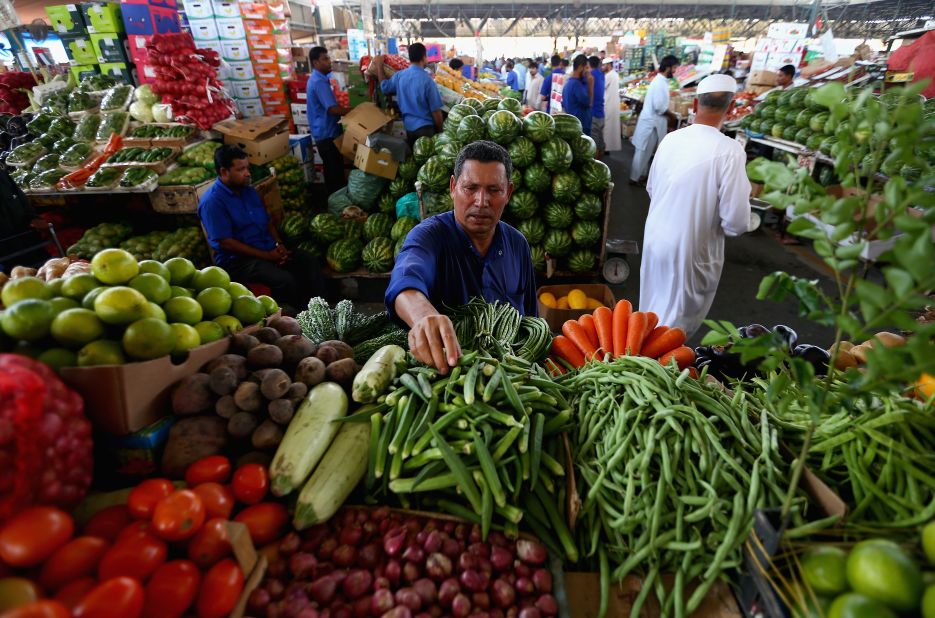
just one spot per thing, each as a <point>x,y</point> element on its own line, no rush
<point>557,69</point>
<point>323,113</point>
<point>416,94</point>
<point>576,95</point>
<point>453,257</point>
<point>512,79</point>
<point>245,241</point>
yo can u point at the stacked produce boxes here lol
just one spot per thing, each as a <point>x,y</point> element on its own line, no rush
<point>94,38</point>
<point>143,20</point>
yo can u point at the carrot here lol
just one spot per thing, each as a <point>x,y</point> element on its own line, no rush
<point>651,320</point>
<point>587,323</point>
<point>684,356</point>
<point>622,312</point>
<point>579,337</point>
<point>693,373</point>
<point>554,367</point>
<point>563,348</point>
<point>636,329</point>
<point>604,323</point>
<point>656,332</point>
<point>666,342</point>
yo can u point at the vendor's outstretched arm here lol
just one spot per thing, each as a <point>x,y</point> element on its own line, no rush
<point>432,338</point>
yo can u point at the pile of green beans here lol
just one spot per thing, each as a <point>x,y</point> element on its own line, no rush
<point>672,472</point>
<point>877,453</point>
<point>483,443</point>
<point>497,328</point>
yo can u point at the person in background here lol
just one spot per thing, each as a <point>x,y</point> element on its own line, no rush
<point>244,239</point>
<point>541,65</point>
<point>576,98</point>
<point>785,76</point>
<point>612,139</point>
<point>520,68</point>
<point>512,80</point>
<point>323,113</point>
<point>416,94</point>
<point>597,105</point>
<point>565,64</point>
<point>653,122</point>
<point>699,194</point>
<point>602,55</point>
<point>456,64</point>
<point>546,91</point>
<point>533,86</point>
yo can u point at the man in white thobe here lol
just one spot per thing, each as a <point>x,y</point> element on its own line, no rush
<point>533,86</point>
<point>699,194</point>
<point>653,122</point>
<point>612,139</point>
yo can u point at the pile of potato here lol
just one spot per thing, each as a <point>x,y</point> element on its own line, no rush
<point>850,355</point>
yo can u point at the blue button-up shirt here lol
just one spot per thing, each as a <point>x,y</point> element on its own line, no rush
<point>512,80</point>
<point>439,260</point>
<point>319,98</point>
<point>521,75</point>
<point>547,83</point>
<point>240,215</point>
<point>597,108</point>
<point>417,96</point>
<point>575,101</point>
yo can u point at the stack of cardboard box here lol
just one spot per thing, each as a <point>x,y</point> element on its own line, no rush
<point>142,20</point>
<point>94,37</point>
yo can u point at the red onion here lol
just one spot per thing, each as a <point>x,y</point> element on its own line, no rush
<point>338,576</point>
<point>433,542</point>
<point>449,527</point>
<point>277,569</point>
<point>481,550</point>
<point>485,567</point>
<point>498,538</point>
<point>421,536</point>
<point>393,571</point>
<point>393,541</point>
<point>423,615</point>
<point>467,561</point>
<point>542,580</point>
<point>436,612</point>
<point>460,606</point>
<point>426,590</point>
<point>258,601</point>
<point>381,602</point>
<point>413,525</point>
<point>411,572</point>
<point>381,583</point>
<point>302,565</point>
<point>414,553</point>
<point>344,555</point>
<point>547,605</point>
<point>474,581</point>
<point>451,548</point>
<point>438,566</point>
<point>530,612</point>
<point>380,513</point>
<point>481,600</point>
<point>501,558</point>
<point>475,534</point>
<point>322,589</point>
<point>496,613</point>
<point>348,517</point>
<point>513,612</point>
<point>275,610</point>
<point>522,570</point>
<point>409,598</point>
<point>326,549</point>
<point>314,536</point>
<point>479,615</point>
<point>341,611</point>
<point>351,536</point>
<point>370,528</point>
<point>308,612</point>
<point>289,544</point>
<point>361,607</point>
<point>398,612</point>
<point>362,515</point>
<point>524,585</point>
<point>275,588</point>
<point>461,531</point>
<point>504,596</point>
<point>447,591</point>
<point>369,556</point>
<point>295,600</point>
<point>357,583</point>
<point>530,551</point>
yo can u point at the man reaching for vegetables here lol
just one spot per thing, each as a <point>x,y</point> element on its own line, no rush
<point>245,240</point>
<point>450,258</point>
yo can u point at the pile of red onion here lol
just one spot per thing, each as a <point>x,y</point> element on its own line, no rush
<point>393,565</point>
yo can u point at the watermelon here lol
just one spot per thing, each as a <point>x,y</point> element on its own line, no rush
<point>523,204</point>
<point>448,152</point>
<point>827,144</point>
<point>325,227</point>
<point>491,105</point>
<point>558,216</point>
<point>387,204</point>
<point>441,138</point>
<point>402,227</point>
<point>293,227</point>
<point>533,229</point>
<point>788,133</point>
<point>436,203</point>
<point>539,127</point>
<point>376,225</point>
<point>581,261</point>
<point>586,233</point>
<point>510,105</point>
<point>817,122</point>
<point>312,247</point>
<point>538,257</point>
<point>471,129</point>
<point>486,115</point>
<point>459,112</point>
<point>503,126</point>
<point>537,178</point>
<point>799,97</point>
<point>802,135</point>
<point>566,187</point>
<point>595,176</point>
<point>398,247</point>
<point>400,187</point>
<point>814,141</point>
<point>776,129</point>
<point>364,189</point>
<point>344,255</point>
<point>378,255</point>
<point>766,112</point>
<point>408,170</point>
<point>583,148</point>
<point>567,126</point>
<point>522,152</point>
<point>435,174</point>
<point>516,177</point>
<point>352,228</point>
<point>785,97</point>
<point>791,115</point>
<point>803,118</point>
<point>588,207</point>
<point>556,154</point>
<point>811,103</point>
<point>422,149</point>
<point>557,243</point>
<point>476,105</point>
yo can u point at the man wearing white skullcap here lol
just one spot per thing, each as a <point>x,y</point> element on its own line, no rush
<point>699,194</point>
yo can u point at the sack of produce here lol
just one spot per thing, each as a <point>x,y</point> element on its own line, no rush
<point>408,206</point>
<point>338,201</point>
<point>72,158</point>
<point>364,189</point>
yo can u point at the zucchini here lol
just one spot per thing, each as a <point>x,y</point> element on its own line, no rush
<point>340,471</point>
<point>307,437</point>
<point>377,373</point>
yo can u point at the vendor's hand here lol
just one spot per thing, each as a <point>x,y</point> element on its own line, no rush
<point>590,77</point>
<point>432,340</point>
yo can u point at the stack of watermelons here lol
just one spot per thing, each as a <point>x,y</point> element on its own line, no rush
<point>793,115</point>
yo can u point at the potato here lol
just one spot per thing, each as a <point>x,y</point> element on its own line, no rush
<point>889,340</point>
<point>248,397</point>
<point>264,355</point>
<point>310,372</point>
<point>275,384</point>
<point>859,352</point>
<point>235,361</point>
<point>19,272</point>
<point>295,348</point>
<point>243,343</point>
<point>226,407</point>
<point>190,439</point>
<point>193,394</point>
<point>296,393</point>
<point>223,380</point>
<point>281,411</point>
<point>331,351</point>
<point>342,371</point>
<point>286,325</point>
<point>266,334</point>
<point>242,424</point>
<point>267,436</point>
<point>254,457</point>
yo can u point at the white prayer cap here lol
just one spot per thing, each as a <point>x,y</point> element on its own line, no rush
<point>608,61</point>
<point>717,83</point>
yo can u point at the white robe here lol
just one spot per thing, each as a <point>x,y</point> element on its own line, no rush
<point>699,193</point>
<point>612,139</point>
<point>531,95</point>
<point>651,126</point>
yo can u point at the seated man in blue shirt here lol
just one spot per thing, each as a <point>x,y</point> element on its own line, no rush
<point>576,95</point>
<point>246,242</point>
<point>450,258</point>
<point>323,113</point>
<point>416,94</point>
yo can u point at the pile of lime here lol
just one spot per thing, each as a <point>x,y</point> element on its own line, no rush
<point>125,310</point>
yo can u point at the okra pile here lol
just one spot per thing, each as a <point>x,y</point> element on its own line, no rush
<point>483,443</point>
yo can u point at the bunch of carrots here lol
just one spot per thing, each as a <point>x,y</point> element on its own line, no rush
<point>607,334</point>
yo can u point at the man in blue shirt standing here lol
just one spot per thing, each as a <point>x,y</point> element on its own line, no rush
<point>597,105</point>
<point>576,97</point>
<point>520,68</point>
<point>416,94</point>
<point>450,258</point>
<point>512,79</point>
<point>323,114</point>
<point>246,242</point>
<point>546,91</point>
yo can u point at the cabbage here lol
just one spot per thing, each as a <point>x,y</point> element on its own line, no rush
<point>141,111</point>
<point>162,112</point>
<point>145,95</point>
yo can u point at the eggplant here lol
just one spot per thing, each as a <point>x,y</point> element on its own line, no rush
<point>818,357</point>
<point>752,331</point>
<point>789,336</point>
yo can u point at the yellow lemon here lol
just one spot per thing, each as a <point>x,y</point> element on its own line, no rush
<point>562,303</point>
<point>548,299</point>
<point>577,299</point>
<point>925,386</point>
<point>593,303</point>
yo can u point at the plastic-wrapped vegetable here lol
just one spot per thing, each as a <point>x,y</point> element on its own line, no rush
<point>61,127</point>
<point>201,155</point>
<point>75,156</point>
<point>80,101</point>
<point>25,154</point>
<point>63,144</point>
<point>146,131</point>
<point>22,176</point>
<point>104,178</point>
<point>46,163</point>
<point>56,104</point>
<point>41,123</point>
<point>112,122</point>
<point>46,180</point>
<point>117,98</point>
<point>96,83</point>
<point>87,128</point>
<point>185,176</point>
<point>135,176</point>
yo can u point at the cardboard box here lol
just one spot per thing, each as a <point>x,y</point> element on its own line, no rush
<point>263,27</point>
<point>787,30</point>
<point>136,454</point>
<point>224,8</point>
<point>762,78</point>
<point>277,99</point>
<point>277,109</point>
<point>214,46</point>
<point>235,50</point>
<point>269,84</point>
<point>584,596</point>
<point>375,162</point>
<point>102,17</point>
<point>819,65</point>
<point>137,44</point>
<point>199,9</point>
<point>271,72</point>
<point>261,41</point>
<point>362,121</point>
<point>396,146</point>
<point>118,70</point>
<point>231,28</point>
<point>251,108</point>
<point>265,56</point>
<point>244,89</point>
<point>557,317</point>
<point>299,113</point>
<point>78,48</point>
<point>254,10</point>
<point>110,48</point>
<point>302,148</point>
<point>84,70</point>
<point>281,26</point>
<point>165,20</point>
<point>137,19</point>
<point>66,19</point>
<point>241,69</point>
<point>263,139</point>
<point>204,29</point>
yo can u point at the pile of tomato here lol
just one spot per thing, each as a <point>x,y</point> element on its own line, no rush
<point>164,553</point>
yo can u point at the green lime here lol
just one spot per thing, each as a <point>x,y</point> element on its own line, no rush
<point>78,285</point>
<point>120,305</point>
<point>114,266</point>
<point>156,268</point>
<point>824,569</point>
<point>25,348</point>
<point>209,331</point>
<point>178,290</point>
<point>152,286</point>
<point>214,301</point>
<point>270,305</point>
<point>248,309</point>
<point>101,352</point>
<point>148,338</point>
<point>60,304</point>
<point>87,301</point>
<point>154,311</point>
<point>55,286</point>
<point>928,602</point>
<point>883,571</point>
<point>186,337</point>
<point>181,270</point>
<point>57,358</point>
<point>928,542</point>
<point>16,290</point>
<point>211,277</point>
<point>854,605</point>
<point>76,327</point>
<point>229,323</point>
<point>28,320</point>
<point>236,289</point>
<point>183,309</point>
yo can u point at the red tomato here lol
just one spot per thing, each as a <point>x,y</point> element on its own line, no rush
<point>179,515</point>
<point>250,483</point>
<point>137,557</point>
<point>265,521</point>
<point>171,590</point>
<point>32,536</point>
<point>213,469</point>
<point>107,523</point>
<point>142,500</point>
<point>39,609</point>
<point>210,544</point>
<point>120,597</point>
<point>70,594</point>
<point>73,560</point>
<point>136,529</point>
<point>218,499</point>
<point>220,590</point>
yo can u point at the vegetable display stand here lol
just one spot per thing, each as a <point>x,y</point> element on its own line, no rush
<point>184,199</point>
<point>557,317</point>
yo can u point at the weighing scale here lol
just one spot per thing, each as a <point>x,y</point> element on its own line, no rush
<point>616,268</point>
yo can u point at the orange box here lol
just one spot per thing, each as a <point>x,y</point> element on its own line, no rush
<point>266,84</point>
<point>261,41</point>
<point>284,43</point>
<point>280,26</point>
<point>268,72</point>
<point>254,10</point>
<point>277,110</point>
<point>272,98</point>
<point>257,26</point>
<point>264,56</point>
